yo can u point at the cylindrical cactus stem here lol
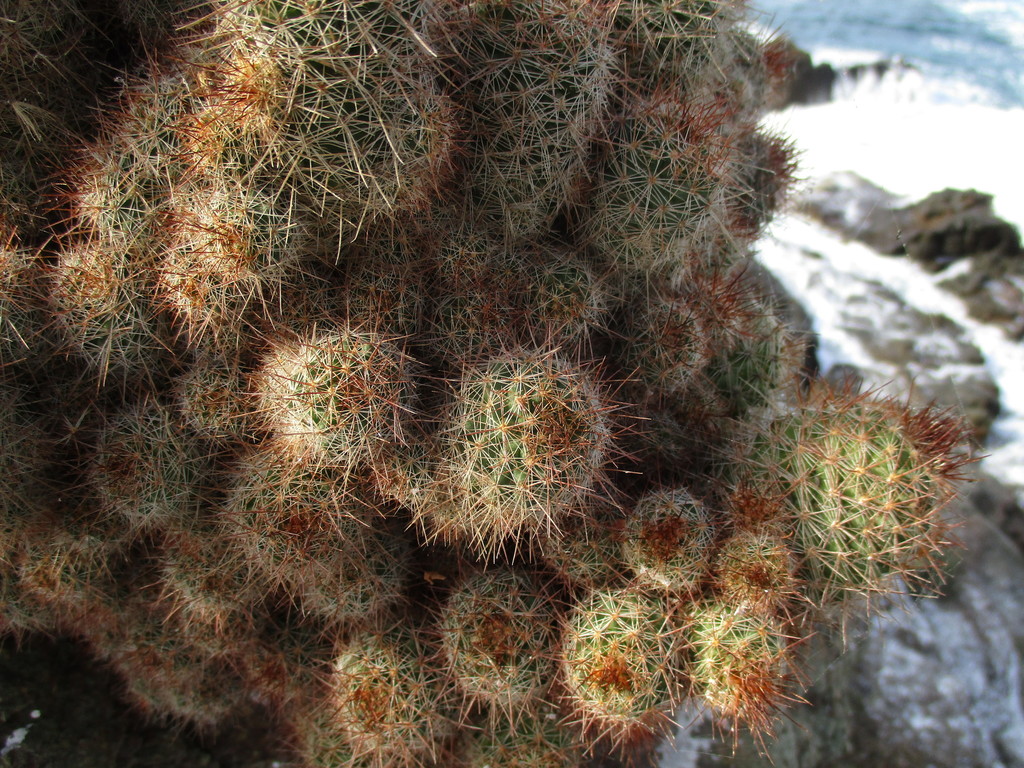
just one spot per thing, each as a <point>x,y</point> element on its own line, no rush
<point>104,314</point>
<point>316,739</point>
<point>385,290</point>
<point>462,250</point>
<point>567,300</point>
<point>24,446</point>
<point>539,77</point>
<point>119,190</point>
<point>66,571</point>
<point>337,393</point>
<point>655,193</point>
<point>622,658</point>
<point>588,552</point>
<point>536,740</point>
<point>47,97</point>
<point>285,668</point>
<point>24,457</point>
<point>22,508</point>
<point>494,295</point>
<point>148,471</point>
<point>481,305</point>
<point>669,341</point>
<point>206,590</point>
<point>524,445</point>
<point>496,630</point>
<point>671,335</point>
<point>314,299</point>
<point>668,540</point>
<point>754,570</point>
<point>757,368</point>
<point>231,246</point>
<point>388,703</point>
<point>212,401</point>
<point>674,41</point>
<point>364,125</point>
<point>762,174</point>
<point>19,617</point>
<point>671,41</point>
<point>862,480</point>
<point>406,476</point>
<point>21,316</point>
<point>668,446</point>
<point>308,528</point>
<point>740,663</point>
<point>164,676</point>
<point>233,123</point>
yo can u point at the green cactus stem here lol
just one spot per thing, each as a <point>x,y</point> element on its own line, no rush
<point>668,540</point>
<point>739,663</point>
<point>337,393</point>
<point>525,444</point>
<point>496,636</point>
<point>364,125</point>
<point>301,526</point>
<point>539,78</point>
<point>861,479</point>
<point>388,701</point>
<point>622,663</point>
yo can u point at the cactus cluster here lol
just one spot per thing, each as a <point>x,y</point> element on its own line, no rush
<point>393,367</point>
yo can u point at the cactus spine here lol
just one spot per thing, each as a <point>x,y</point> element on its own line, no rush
<point>527,441</point>
<point>388,367</point>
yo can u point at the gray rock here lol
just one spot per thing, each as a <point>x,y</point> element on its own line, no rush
<point>851,205</point>
<point>991,297</point>
<point>928,356</point>
<point>999,506</point>
<point>950,225</point>
<point>944,228</point>
<point>806,82</point>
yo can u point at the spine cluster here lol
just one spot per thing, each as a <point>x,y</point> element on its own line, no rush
<point>392,366</point>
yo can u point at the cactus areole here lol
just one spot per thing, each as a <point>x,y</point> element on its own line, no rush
<point>391,366</point>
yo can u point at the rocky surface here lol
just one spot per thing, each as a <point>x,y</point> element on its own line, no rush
<point>927,356</point>
<point>992,293</point>
<point>953,233</point>
<point>905,351</point>
<point>60,709</point>
<point>852,206</point>
<point>807,82</point>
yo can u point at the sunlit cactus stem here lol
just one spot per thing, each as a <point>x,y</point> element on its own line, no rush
<point>622,658</point>
<point>539,77</point>
<point>525,443</point>
<point>861,479</point>
<point>339,393</point>
<point>496,636</point>
<point>363,122</point>
<point>738,666</point>
<point>668,539</point>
